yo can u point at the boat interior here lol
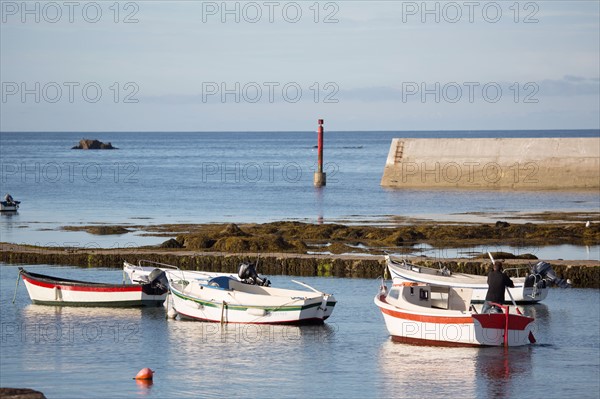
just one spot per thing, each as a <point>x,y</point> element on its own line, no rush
<point>418,296</point>
<point>230,284</point>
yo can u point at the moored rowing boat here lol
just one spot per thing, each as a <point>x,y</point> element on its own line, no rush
<point>49,290</point>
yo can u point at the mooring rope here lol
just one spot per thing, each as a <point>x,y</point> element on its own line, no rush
<point>16,286</point>
<point>223,304</point>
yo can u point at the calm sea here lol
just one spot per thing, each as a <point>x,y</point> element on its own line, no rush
<point>156,178</point>
<point>94,353</point>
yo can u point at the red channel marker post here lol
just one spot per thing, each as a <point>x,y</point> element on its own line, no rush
<point>319,179</point>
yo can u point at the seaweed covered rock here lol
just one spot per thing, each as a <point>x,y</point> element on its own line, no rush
<point>270,243</point>
<point>171,243</point>
<point>86,144</point>
<point>20,393</point>
<point>234,230</point>
<point>102,230</point>
<point>197,241</point>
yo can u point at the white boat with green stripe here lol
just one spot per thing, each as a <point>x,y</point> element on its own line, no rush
<point>227,300</point>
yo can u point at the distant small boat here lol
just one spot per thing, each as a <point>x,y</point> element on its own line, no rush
<point>9,204</point>
<point>49,290</point>
<point>530,289</point>
<point>424,314</point>
<point>9,207</point>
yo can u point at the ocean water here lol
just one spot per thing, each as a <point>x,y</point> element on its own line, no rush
<point>156,178</point>
<point>95,352</point>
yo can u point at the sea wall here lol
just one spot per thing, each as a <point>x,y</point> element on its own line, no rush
<point>502,163</point>
<point>581,275</point>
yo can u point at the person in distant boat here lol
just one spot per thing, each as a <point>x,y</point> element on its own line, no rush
<point>497,282</point>
<point>8,198</point>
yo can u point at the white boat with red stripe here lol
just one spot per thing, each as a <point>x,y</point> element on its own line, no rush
<point>424,314</point>
<point>49,290</point>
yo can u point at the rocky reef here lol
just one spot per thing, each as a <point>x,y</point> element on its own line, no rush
<point>87,144</point>
<point>101,230</point>
<point>20,393</point>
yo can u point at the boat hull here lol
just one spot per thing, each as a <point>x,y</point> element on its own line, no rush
<point>51,291</point>
<point>478,284</point>
<point>225,306</point>
<point>5,207</point>
<point>453,328</point>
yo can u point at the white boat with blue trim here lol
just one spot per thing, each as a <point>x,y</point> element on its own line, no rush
<point>227,300</point>
<point>244,297</point>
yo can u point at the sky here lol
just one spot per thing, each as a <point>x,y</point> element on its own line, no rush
<point>281,65</point>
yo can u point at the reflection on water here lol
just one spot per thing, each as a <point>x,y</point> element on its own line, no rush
<point>9,215</point>
<point>76,325</point>
<point>249,335</point>
<point>260,356</point>
<point>497,368</point>
<point>78,313</point>
<point>144,386</point>
<point>422,371</point>
<point>539,311</point>
<point>541,326</point>
<point>419,371</point>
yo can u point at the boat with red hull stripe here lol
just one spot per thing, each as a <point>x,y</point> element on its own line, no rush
<point>425,314</point>
<point>50,290</point>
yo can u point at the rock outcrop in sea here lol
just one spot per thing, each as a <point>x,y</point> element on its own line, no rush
<point>86,144</point>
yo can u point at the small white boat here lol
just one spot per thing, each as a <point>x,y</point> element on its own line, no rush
<point>227,300</point>
<point>9,204</point>
<point>49,290</point>
<point>235,298</point>
<point>530,289</point>
<point>419,313</point>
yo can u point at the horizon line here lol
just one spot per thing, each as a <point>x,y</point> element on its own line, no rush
<point>297,131</point>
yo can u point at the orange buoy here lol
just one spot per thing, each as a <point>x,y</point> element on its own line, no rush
<point>144,374</point>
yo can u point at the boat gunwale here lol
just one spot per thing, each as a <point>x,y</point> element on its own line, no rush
<point>452,280</point>
<point>57,281</point>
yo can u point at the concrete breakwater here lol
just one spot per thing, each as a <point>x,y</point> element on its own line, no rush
<point>583,274</point>
<point>500,163</point>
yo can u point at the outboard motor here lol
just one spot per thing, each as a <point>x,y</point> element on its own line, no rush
<point>158,280</point>
<point>545,270</point>
<point>248,275</point>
